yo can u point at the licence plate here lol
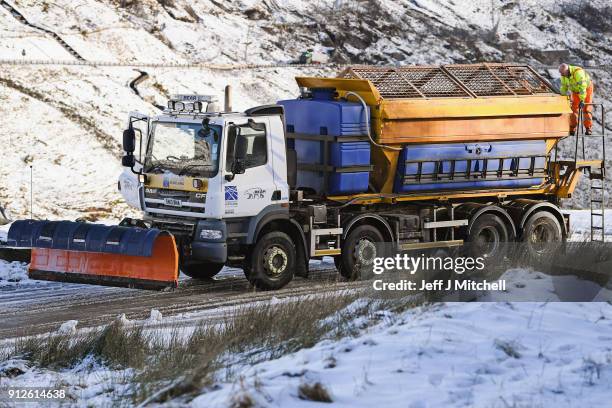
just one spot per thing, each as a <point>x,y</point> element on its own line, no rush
<point>173,202</point>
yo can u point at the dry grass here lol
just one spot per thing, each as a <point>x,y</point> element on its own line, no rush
<point>118,346</point>
<point>510,348</point>
<point>52,351</point>
<point>242,400</point>
<point>314,392</point>
<point>115,346</point>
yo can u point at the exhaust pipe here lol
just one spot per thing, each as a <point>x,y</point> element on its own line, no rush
<point>228,98</point>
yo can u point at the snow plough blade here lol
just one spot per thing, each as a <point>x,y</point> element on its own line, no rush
<point>98,254</point>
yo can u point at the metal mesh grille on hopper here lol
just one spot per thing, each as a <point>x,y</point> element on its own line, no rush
<point>452,80</point>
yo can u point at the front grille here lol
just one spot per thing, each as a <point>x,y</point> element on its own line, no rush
<point>184,195</point>
<point>190,201</point>
<point>180,229</point>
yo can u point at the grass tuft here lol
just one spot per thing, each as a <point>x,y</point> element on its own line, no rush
<point>53,350</point>
<point>510,348</point>
<point>242,400</point>
<point>119,346</point>
<point>314,392</point>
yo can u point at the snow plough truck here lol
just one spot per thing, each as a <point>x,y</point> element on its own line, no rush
<point>419,157</point>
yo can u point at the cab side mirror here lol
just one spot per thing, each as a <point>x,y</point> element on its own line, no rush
<point>129,140</point>
<point>128,161</point>
<point>129,145</point>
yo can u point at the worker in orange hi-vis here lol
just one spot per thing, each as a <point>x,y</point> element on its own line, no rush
<point>576,80</point>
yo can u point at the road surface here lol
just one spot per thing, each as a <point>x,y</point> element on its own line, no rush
<point>39,307</point>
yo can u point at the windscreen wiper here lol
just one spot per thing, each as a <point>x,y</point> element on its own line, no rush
<point>156,167</point>
<point>190,166</point>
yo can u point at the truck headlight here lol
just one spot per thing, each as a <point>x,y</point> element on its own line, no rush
<point>211,234</point>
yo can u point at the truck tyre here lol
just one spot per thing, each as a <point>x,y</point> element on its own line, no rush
<point>272,261</point>
<point>358,252</point>
<point>542,230</point>
<point>488,238</point>
<point>200,270</point>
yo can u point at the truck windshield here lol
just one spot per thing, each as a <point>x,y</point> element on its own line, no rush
<point>183,149</point>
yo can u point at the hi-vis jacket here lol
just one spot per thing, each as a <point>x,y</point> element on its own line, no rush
<point>578,82</point>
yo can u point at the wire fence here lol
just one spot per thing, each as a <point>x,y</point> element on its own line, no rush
<point>214,67</point>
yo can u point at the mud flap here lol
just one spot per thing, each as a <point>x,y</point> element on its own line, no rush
<point>98,254</point>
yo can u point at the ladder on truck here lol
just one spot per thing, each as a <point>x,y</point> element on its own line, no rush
<point>596,171</point>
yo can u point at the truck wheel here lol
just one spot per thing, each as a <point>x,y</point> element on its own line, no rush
<point>200,270</point>
<point>488,238</point>
<point>272,262</point>
<point>358,252</point>
<point>542,230</point>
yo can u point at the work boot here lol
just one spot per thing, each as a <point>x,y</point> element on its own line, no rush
<point>588,132</point>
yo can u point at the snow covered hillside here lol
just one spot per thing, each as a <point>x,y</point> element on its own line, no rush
<point>66,121</point>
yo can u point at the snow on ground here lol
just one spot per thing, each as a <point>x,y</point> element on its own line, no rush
<point>528,285</point>
<point>3,232</point>
<point>580,222</point>
<point>94,384</point>
<point>14,274</point>
<point>450,355</point>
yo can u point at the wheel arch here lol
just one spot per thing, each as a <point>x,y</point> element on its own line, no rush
<point>267,215</point>
<point>472,211</point>
<point>524,209</point>
<point>374,220</point>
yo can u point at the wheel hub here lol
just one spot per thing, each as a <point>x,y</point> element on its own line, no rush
<point>488,240</point>
<point>365,252</point>
<point>275,261</point>
<point>540,236</point>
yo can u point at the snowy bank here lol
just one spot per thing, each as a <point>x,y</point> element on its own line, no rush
<point>14,273</point>
<point>441,355</point>
<point>457,354</point>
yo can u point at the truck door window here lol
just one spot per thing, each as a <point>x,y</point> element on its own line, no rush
<point>257,150</point>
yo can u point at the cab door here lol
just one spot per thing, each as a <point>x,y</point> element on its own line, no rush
<point>248,170</point>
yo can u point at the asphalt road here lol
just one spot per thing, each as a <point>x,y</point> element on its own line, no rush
<point>40,307</point>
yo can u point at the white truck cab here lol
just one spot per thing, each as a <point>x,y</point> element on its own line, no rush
<point>210,183</point>
<point>210,178</point>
